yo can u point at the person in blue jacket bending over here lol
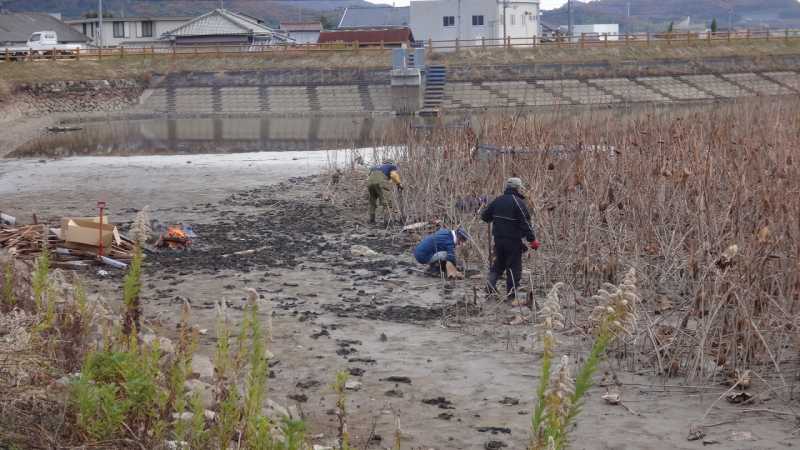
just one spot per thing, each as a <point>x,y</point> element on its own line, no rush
<point>439,251</point>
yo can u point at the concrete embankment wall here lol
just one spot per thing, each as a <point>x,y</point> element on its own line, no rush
<point>369,91</point>
<point>314,91</point>
<point>625,68</point>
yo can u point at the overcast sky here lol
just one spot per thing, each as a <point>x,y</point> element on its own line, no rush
<point>545,4</point>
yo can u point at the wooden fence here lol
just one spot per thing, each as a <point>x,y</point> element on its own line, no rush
<point>587,40</point>
<point>583,41</point>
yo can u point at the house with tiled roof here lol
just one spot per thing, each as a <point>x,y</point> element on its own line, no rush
<point>224,27</point>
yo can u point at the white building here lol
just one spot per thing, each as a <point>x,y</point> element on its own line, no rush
<point>597,31</point>
<point>127,31</point>
<point>471,20</point>
<point>302,32</point>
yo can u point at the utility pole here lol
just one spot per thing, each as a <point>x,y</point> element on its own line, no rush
<point>505,21</point>
<point>629,10</point>
<point>571,24</point>
<point>730,18</point>
<point>100,23</point>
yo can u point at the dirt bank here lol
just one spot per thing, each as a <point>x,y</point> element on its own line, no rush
<point>456,376</point>
<point>27,110</point>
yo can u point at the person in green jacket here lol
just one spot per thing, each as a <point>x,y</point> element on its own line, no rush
<point>376,185</point>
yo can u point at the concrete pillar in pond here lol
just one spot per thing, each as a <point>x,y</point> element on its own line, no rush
<point>406,91</point>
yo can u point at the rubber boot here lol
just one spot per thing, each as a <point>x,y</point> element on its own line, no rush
<point>491,284</point>
<point>372,218</point>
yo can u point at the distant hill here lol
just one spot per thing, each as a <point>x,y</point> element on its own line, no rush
<point>268,10</point>
<point>655,15</point>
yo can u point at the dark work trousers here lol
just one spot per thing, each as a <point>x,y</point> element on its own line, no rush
<point>508,261</point>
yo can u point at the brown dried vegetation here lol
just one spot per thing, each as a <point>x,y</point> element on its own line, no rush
<point>702,202</point>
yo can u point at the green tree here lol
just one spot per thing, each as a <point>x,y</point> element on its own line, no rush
<point>714,25</point>
<point>671,27</point>
<point>326,23</point>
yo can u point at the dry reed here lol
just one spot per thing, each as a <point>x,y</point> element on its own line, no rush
<point>667,191</point>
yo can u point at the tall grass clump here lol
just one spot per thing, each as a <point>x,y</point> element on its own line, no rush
<point>559,398</point>
<point>131,289</point>
<point>339,387</point>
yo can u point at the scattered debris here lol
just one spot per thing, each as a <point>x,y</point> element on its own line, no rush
<point>494,430</point>
<point>356,371</point>
<point>245,252</point>
<point>361,250</point>
<point>5,219</point>
<point>612,398</point>
<point>710,442</point>
<point>397,379</point>
<point>445,416</point>
<point>494,445</point>
<point>509,401</point>
<point>394,393</point>
<point>299,398</point>
<point>415,226</point>
<point>441,402</point>
<point>353,385</point>
<point>738,397</point>
<point>695,433</point>
<point>75,245</point>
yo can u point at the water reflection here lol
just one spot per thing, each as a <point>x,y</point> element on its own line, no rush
<point>209,135</point>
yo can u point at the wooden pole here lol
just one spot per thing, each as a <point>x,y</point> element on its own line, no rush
<point>54,54</point>
<point>8,55</point>
<point>77,53</point>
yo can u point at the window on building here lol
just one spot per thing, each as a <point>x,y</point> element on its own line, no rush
<point>119,29</point>
<point>513,21</point>
<point>477,21</point>
<point>147,28</point>
<point>449,21</point>
<point>531,18</point>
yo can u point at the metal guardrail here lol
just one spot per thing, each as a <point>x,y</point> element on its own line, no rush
<point>586,40</point>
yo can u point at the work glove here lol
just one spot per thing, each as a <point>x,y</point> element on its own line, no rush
<point>535,244</point>
<point>456,275</point>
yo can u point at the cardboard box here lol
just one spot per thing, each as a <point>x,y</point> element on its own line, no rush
<point>86,230</point>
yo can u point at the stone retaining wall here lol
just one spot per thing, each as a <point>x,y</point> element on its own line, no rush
<point>624,69</point>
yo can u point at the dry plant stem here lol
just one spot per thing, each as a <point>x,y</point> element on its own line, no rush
<point>735,385</point>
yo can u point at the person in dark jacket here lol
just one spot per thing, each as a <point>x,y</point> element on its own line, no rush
<point>511,222</point>
<point>439,251</point>
<point>377,182</point>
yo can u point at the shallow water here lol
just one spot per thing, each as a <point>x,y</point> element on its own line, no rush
<point>209,135</point>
